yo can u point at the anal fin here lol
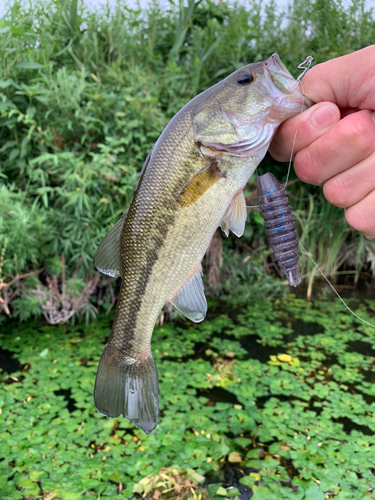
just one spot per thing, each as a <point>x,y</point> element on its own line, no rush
<point>190,299</point>
<point>235,217</point>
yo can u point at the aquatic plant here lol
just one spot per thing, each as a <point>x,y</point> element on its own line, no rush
<point>276,398</point>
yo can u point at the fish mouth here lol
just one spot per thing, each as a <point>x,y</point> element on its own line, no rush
<point>283,80</point>
<point>279,75</point>
<point>275,65</point>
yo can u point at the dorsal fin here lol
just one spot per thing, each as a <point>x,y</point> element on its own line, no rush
<point>108,255</point>
<point>235,217</point>
<point>144,168</point>
<point>190,299</point>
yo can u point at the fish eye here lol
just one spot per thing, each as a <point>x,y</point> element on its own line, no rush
<point>244,78</point>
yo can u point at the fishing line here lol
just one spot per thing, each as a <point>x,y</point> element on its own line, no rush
<point>291,157</point>
<point>309,256</point>
<point>333,288</point>
<point>305,67</point>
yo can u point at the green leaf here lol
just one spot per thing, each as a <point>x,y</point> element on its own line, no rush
<point>314,493</point>
<point>194,476</point>
<point>221,491</point>
<point>70,495</point>
<point>35,475</point>
<point>6,83</point>
<point>248,481</point>
<point>28,65</point>
<point>232,492</point>
<point>258,218</point>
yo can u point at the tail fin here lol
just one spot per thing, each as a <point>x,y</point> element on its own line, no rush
<point>127,387</point>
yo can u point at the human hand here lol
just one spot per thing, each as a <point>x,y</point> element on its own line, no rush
<point>335,143</point>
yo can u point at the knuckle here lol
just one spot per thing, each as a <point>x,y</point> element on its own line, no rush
<point>335,191</point>
<point>357,132</point>
<point>308,166</point>
<point>276,150</point>
<point>358,219</point>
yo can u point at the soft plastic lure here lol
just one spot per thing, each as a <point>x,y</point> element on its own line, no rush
<point>280,227</point>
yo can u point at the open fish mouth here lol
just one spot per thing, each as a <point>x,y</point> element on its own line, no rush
<point>283,80</point>
<point>279,75</point>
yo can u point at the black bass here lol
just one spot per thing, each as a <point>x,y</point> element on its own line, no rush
<point>191,183</point>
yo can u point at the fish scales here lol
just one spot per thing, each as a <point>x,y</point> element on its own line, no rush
<point>192,182</point>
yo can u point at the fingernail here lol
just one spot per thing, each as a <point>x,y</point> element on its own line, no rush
<point>368,237</point>
<point>323,117</point>
<point>373,116</point>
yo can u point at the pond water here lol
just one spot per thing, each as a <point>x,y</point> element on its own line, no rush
<point>273,400</point>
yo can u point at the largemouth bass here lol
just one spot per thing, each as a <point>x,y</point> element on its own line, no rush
<point>191,183</point>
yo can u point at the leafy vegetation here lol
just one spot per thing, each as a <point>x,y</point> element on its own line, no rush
<point>277,398</point>
<point>84,95</point>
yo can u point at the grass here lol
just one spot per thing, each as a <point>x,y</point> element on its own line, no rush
<point>273,397</point>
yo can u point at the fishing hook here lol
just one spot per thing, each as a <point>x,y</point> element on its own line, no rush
<point>305,66</point>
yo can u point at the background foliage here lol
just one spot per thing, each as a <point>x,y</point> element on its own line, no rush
<point>84,95</point>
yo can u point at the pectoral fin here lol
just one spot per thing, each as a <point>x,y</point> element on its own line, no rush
<point>235,216</point>
<point>107,257</point>
<point>190,299</point>
<point>199,184</point>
